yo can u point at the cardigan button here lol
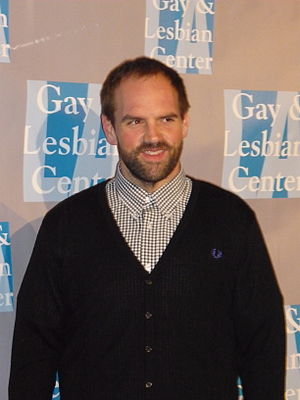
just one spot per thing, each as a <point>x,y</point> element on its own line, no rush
<point>148,282</point>
<point>148,385</point>
<point>148,315</point>
<point>148,349</point>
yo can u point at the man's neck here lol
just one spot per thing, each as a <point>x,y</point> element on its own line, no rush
<point>149,187</point>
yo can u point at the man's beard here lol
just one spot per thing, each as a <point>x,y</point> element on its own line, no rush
<point>151,171</point>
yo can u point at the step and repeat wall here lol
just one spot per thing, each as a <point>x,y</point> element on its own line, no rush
<point>240,61</point>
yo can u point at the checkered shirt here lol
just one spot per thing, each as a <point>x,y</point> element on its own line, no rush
<point>148,221</point>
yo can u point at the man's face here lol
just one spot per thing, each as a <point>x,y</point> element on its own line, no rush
<point>148,130</point>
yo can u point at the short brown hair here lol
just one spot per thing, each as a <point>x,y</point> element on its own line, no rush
<point>139,67</point>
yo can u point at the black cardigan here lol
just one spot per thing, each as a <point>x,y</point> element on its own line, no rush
<point>209,312</point>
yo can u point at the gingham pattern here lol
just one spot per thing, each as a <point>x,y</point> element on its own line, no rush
<point>148,221</point>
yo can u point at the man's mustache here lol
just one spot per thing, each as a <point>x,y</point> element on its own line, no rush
<point>153,146</point>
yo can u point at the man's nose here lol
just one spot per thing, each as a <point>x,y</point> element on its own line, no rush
<point>152,133</point>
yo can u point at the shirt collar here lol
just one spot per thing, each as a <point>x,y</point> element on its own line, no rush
<point>166,198</point>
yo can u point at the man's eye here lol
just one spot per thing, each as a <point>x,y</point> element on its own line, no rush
<point>167,119</point>
<point>135,121</point>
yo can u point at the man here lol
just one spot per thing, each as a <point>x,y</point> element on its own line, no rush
<point>152,285</point>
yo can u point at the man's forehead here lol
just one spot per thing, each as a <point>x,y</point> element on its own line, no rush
<point>136,79</point>
<point>142,96</point>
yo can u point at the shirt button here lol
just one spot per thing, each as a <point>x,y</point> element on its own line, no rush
<point>149,225</point>
<point>148,315</point>
<point>148,385</point>
<point>148,282</point>
<point>148,349</point>
<point>147,199</point>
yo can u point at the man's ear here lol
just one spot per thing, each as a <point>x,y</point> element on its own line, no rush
<point>109,130</point>
<point>185,124</point>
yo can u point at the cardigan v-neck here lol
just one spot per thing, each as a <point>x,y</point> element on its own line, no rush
<point>120,242</point>
<point>147,221</point>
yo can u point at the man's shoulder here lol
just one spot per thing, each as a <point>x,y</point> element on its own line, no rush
<point>214,191</point>
<point>220,200</point>
<point>86,200</point>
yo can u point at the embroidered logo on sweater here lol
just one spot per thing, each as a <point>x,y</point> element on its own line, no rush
<point>216,253</point>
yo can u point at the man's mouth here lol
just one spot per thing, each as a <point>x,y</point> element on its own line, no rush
<point>153,152</point>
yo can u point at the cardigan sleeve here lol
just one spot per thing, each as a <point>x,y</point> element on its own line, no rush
<point>260,323</point>
<point>37,334</point>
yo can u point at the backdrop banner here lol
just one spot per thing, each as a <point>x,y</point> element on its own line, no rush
<point>293,352</point>
<point>180,33</point>
<point>4,32</point>
<point>262,144</point>
<point>65,149</point>
<point>6,278</point>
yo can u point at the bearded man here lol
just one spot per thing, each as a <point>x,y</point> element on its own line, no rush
<point>151,285</point>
